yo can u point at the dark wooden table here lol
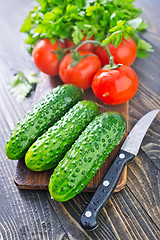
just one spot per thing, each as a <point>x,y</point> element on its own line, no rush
<point>132,213</point>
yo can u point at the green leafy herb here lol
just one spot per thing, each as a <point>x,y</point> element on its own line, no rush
<point>143,47</point>
<point>108,20</point>
<point>21,85</point>
<point>143,26</point>
<point>135,23</point>
<point>117,32</point>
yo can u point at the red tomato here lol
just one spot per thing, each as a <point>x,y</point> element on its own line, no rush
<point>125,53</point>
<point>45,60</point>
<point>102,54</point>
<point>81,74</point>
<point>86,47</point>
<point>115,86</point>
<point>68,43</point>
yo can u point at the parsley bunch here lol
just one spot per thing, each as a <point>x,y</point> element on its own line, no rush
<point>107,20</point>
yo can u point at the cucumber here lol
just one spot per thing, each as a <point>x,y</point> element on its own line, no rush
<point>86,155</point>
<point>51,147</point>
<point>42,116</point>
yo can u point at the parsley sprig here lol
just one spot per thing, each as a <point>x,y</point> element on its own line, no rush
<point>107,20</point>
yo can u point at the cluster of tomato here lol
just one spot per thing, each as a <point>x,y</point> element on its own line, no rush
<point>112,85</point>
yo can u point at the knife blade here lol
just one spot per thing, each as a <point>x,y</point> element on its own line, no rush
<point>128,151</point>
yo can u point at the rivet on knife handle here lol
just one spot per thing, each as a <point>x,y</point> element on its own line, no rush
<point>105,190</point>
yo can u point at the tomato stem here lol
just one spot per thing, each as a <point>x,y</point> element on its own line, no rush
<point>113,67</point>
<point>60,52</point>
<point>111,60</point>
<point>76,57</point>
<point>69,48</point>
<point>87,41</point>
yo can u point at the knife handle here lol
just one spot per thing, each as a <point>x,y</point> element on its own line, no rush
<point>105,190</point>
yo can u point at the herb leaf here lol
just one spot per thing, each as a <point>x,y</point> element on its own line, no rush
<point>143,47</point>
<point>135,23</point>
<point>115,19</point>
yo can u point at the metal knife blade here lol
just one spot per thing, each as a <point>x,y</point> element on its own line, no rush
<point>136,135</point>
<point>126,154</point>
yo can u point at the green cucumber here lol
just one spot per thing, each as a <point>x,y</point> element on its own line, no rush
<point>42,116</point>
<point>86,155</point>
<point>51,147</point>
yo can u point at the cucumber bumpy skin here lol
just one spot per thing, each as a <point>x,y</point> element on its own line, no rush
<point>86,155</point>
<point>50,148</point>
<point>42,116</point>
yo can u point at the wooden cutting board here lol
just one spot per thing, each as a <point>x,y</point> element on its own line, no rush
<point>27,179</point>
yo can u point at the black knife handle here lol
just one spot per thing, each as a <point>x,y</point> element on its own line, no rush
<point>105,190</point>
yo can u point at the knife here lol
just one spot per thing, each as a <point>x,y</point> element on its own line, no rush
<point>128,151</point>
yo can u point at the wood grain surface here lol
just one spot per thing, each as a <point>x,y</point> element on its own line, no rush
<point>132,213</point>
<point>27,179</point>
